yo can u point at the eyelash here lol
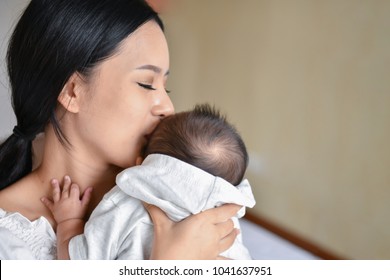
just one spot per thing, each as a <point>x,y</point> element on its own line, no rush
<point>149,87</point>
<point>146,86</point>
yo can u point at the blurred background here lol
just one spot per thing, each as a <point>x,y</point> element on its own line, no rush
<point>307,84</point>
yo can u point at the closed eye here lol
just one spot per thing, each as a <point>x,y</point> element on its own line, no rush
<point>146,86</point>
<point>149,87</point>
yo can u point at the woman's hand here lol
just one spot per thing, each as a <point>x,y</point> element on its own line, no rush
<point>198,237</point>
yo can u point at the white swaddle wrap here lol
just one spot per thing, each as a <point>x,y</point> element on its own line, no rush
<point>181,189</point>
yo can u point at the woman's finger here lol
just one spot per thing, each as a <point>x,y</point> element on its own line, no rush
<point>225,228</point>
<point>222,258</point>
<point>56,190</point>
<point>222,213</point>
<point>159,218</point>
<point>228,241</point>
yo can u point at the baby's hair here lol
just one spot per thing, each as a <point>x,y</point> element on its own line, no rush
<point>203,138</point>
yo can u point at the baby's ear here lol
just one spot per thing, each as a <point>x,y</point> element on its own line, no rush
<point>139,161</point>
<point>71,94</point>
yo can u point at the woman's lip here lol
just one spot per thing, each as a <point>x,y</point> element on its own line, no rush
<point>149,133</point>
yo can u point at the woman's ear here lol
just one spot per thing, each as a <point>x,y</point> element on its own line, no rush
<point>71,94</point>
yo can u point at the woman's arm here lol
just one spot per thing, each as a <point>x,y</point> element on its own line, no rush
<point>202,236</point>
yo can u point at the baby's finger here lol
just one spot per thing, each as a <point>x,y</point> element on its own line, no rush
<point>48,203</point>
<point>56,190</point>
<point>66,187</point>
<point>74,192</point>
<point>86,196</point>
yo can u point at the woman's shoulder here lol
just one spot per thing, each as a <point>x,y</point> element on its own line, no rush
<point>23,197</point>
<point>24,231</point>
<point>25,239</point>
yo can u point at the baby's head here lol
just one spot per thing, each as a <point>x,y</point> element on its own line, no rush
<point>203,138</point>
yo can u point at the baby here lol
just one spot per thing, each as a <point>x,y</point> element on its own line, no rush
<point>194,161</point>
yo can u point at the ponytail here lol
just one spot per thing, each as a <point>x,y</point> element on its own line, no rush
<point>15,159</point>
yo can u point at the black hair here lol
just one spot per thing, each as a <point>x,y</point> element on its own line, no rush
<point>202,137</point>
<point>53,40</point>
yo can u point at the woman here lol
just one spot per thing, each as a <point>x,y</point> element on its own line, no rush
<point>91,75</point>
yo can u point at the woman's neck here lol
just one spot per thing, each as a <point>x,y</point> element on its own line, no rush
<point>52,160</point>
<point>58,161</point>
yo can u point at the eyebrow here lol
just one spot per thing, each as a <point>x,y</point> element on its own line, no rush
<point>153,68</point>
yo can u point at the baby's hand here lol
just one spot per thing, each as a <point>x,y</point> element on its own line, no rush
<point>67,204</point>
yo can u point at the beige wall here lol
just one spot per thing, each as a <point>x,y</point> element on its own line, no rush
<point>307,84</point>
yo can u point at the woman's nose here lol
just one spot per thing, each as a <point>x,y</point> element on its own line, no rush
<point>163,106</point>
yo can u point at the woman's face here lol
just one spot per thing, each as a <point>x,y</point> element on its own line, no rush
<point>126,98</point>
